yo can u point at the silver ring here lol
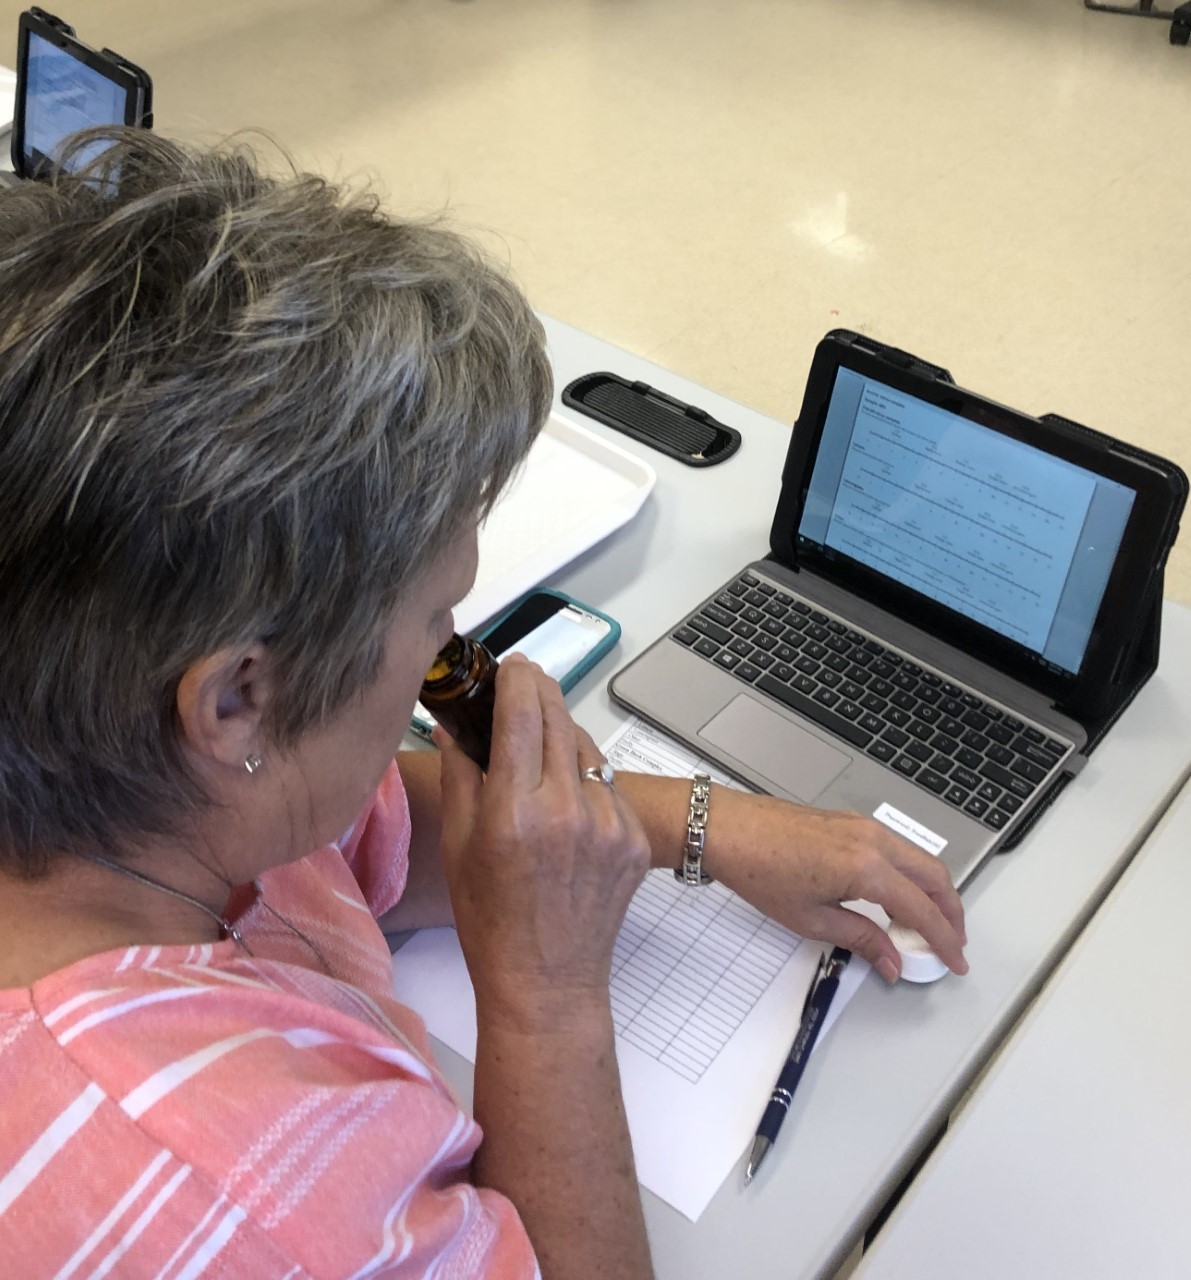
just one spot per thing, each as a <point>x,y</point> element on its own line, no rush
<point>598,773</point>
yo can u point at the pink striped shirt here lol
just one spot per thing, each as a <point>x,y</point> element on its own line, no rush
<point>172,1112</point>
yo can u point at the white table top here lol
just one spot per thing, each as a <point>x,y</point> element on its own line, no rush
<point>1073,1157</point>
<point>899,1059</point>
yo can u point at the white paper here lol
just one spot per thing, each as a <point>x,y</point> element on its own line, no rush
<point>706,998</point>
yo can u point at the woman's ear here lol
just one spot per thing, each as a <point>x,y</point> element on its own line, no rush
<point>222,702</point>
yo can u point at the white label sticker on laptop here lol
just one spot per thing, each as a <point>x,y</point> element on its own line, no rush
<point>904,825</point>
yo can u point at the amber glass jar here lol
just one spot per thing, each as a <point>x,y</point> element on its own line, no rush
<point>460,691</point>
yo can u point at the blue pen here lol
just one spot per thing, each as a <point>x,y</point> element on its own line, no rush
<point>819,996</point>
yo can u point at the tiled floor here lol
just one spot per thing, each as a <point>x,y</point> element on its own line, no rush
<point>1000,186</point>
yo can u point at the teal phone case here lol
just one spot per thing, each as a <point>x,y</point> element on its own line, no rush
<point>577,672</point>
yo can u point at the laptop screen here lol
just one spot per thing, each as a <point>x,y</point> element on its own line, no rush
<point>1015,539</point>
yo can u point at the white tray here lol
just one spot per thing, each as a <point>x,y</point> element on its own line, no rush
<point>574,490</point>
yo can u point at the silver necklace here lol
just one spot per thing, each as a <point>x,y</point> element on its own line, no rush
<point>225,925</point>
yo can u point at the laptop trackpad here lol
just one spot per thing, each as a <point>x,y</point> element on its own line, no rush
<point>772,746</point>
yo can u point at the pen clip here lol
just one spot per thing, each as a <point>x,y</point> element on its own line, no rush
<point>810,991</point>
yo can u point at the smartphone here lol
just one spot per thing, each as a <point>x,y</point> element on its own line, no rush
<point>565,638</point>
<point>63,86</point>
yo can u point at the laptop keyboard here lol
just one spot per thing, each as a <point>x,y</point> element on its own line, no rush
<point>946,738</point>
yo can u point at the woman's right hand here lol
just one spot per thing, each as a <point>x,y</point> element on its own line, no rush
<point>540,865</point>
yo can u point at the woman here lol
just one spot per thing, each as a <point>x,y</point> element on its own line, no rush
<point>247,430</point>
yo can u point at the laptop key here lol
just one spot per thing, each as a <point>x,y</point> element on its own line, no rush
<point>968,758</point>
<point>1000,733</point>
<point>801,606</point>
<point>930,714</point>
<point>804,684</point>
<point>881,668</point>
<point>1002,755</point>
<point>974,720</point>
<point>726,600</point>
<point>929,678</point>
<point>970,700</point>
<point>727,659</point>
<point>976,807</point>
<point>835,662</point>
<point>951,706</point>
<point>828,697</point>
<point>785,653</point>
<point>941,742</point>
<point>755,616</point>
<point>773,626</point>
<point>794,628</point>
<point>1033,735</point>
<point>1055,747</point>
<point>977,741</point>
<point>1011,722</point>
<point>1028,770</point>
<point>776,609</point>
<point>952,690</point>
<point>814,650</point>
<point>894,659</point>
<point>1031,752</point>
<point>907,765</point>
<point>996,818</point>
<point>956,795</point>
<point>920,751</point>
<point>782,672</point>
<point>817,616</point>
<point>738,588</point>
<point>988,792</point>
<point>874,724</point>
<point>743,628</point>
<point>808,666</point>
<point>815,711</point>
<point>896,737</point>
<point>929,695</point>
<point>838,644</point>
<point>708,648</point>
<point>741,647</point>
<point>784,599</point>
<point>848,709</point>
<point>765,589</point>
<point>904,681</point>
<point>817,631</point>
<point>836,626</point>
<point>923,732</point>
<point>759,658</point>
<point>708,628</point>
<point>873,647</point>
<point>965,777</point>
<point>850,689</point>
<point>855,637</point>
<point>870,702</point>
<point>858,674</point>
<point>755,598</point>
<point>861,656</point>
<point>940,764</point>
<point>882,688</point>
<point>685,635</point>
<point>749,580</point>
<point>881,751</point>
<point>1009,803</point>
<point>746,671</point>
<point>950,726</point>
<point>764,641</point>
<point>895,715</point>
<point>829,678</point>
<point>932,781</point>
<point>1003,778</point>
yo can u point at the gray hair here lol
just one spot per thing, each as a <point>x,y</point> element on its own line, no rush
<point>233,407</point>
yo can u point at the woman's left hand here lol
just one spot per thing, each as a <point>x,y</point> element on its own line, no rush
<point>799,866</point>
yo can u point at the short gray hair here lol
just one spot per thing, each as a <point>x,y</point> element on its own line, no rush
<point>233,407</point>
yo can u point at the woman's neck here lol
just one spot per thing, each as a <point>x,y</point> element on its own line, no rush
<point>82,908</point>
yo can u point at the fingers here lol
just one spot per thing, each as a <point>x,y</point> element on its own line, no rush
<point>844,928</point>
<point>517,728</point>
<point>930,875</point>
<point>909,904</point>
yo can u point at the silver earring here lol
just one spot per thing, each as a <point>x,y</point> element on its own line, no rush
<point>253,763</point>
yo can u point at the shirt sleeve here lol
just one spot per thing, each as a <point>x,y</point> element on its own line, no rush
<point>376,847</point>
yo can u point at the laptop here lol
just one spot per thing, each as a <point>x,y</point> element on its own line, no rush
<point>950,604</point>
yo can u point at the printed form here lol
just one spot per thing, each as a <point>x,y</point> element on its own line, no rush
<point>706,998</point>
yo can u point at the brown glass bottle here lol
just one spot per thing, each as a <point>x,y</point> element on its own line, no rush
<point>460,691</point>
